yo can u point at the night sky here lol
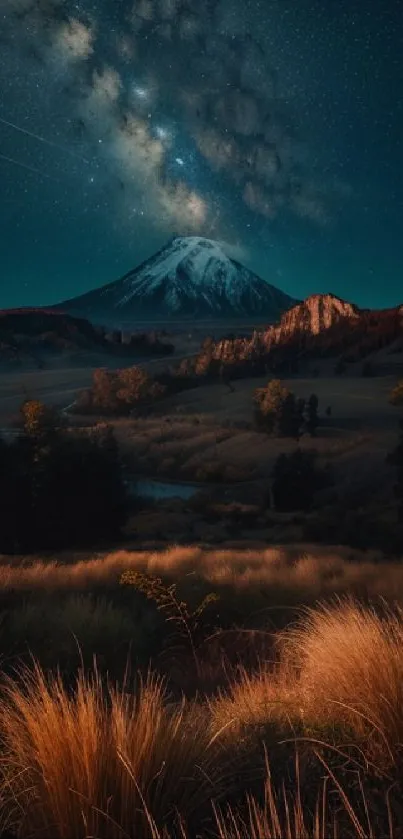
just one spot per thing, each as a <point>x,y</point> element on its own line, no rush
<point>273,126</point>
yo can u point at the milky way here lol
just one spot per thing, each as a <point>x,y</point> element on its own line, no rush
<point>273,127</point>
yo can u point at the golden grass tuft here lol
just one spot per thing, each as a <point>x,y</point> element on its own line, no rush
<point>348,666</point>
<point>100,762</point>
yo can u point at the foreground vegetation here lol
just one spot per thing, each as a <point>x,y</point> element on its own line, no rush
<point>191,692</point>
<point>235,694</point>
<point>306,744</point>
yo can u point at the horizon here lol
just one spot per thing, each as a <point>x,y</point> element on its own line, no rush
<point>311,294</point>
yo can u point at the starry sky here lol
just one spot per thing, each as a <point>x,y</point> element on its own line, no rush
<point>272,126</point>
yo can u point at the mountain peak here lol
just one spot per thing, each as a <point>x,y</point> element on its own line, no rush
<point>316,313</point>
<point>191,276</point>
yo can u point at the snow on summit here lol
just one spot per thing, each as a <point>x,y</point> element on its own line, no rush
<point>200,261</point>
<point>190,277</point>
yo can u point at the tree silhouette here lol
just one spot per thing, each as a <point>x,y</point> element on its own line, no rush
<point>59,489</point>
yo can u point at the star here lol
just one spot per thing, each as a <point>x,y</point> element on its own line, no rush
<point>251,121</point>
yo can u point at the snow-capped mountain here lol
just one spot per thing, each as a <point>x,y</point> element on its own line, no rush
<point>190,277</point>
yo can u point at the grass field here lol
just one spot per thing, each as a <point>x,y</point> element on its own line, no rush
<point>273,709</point>
<point>354,400</point>
<point>59,384</point>
<point>195,433</point>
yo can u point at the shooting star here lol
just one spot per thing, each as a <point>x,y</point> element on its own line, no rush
<point>43,139</point>
<point>25,166</point>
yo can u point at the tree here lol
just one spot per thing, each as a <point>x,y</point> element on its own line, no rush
<point>103,391</point>
<point>133,385</point>
<point>59,490</point>
<point>277,411</point>
<point>15,496</point>
<point>296,479</point>
<point>396,395</point>
<point>38,420</point>
<point>204,362</point>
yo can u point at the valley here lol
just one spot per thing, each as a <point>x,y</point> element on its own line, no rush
<point>210,501</point>
<point>156,522</point>
<point>201,419</point>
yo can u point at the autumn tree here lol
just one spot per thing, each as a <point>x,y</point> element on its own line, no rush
<point>133,384</point>
<point>277,411</point>
<point>396,395</point>
<point>204,362</point>
<point>103,391</point>
<point>39,420</point>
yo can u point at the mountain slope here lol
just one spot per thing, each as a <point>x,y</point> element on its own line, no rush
<point>323,325</point>
<point>189,277</point>
<point>317,313</point>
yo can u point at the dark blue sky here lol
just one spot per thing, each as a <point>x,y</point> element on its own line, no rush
<point>275,127</point>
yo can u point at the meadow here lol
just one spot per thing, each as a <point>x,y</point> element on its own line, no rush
<point>237,681</point>
<point>213,693</point>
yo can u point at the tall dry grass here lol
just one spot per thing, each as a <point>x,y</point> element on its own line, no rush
<point>348,665</point>
<point>98,762</point>
<point>297,571</point>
